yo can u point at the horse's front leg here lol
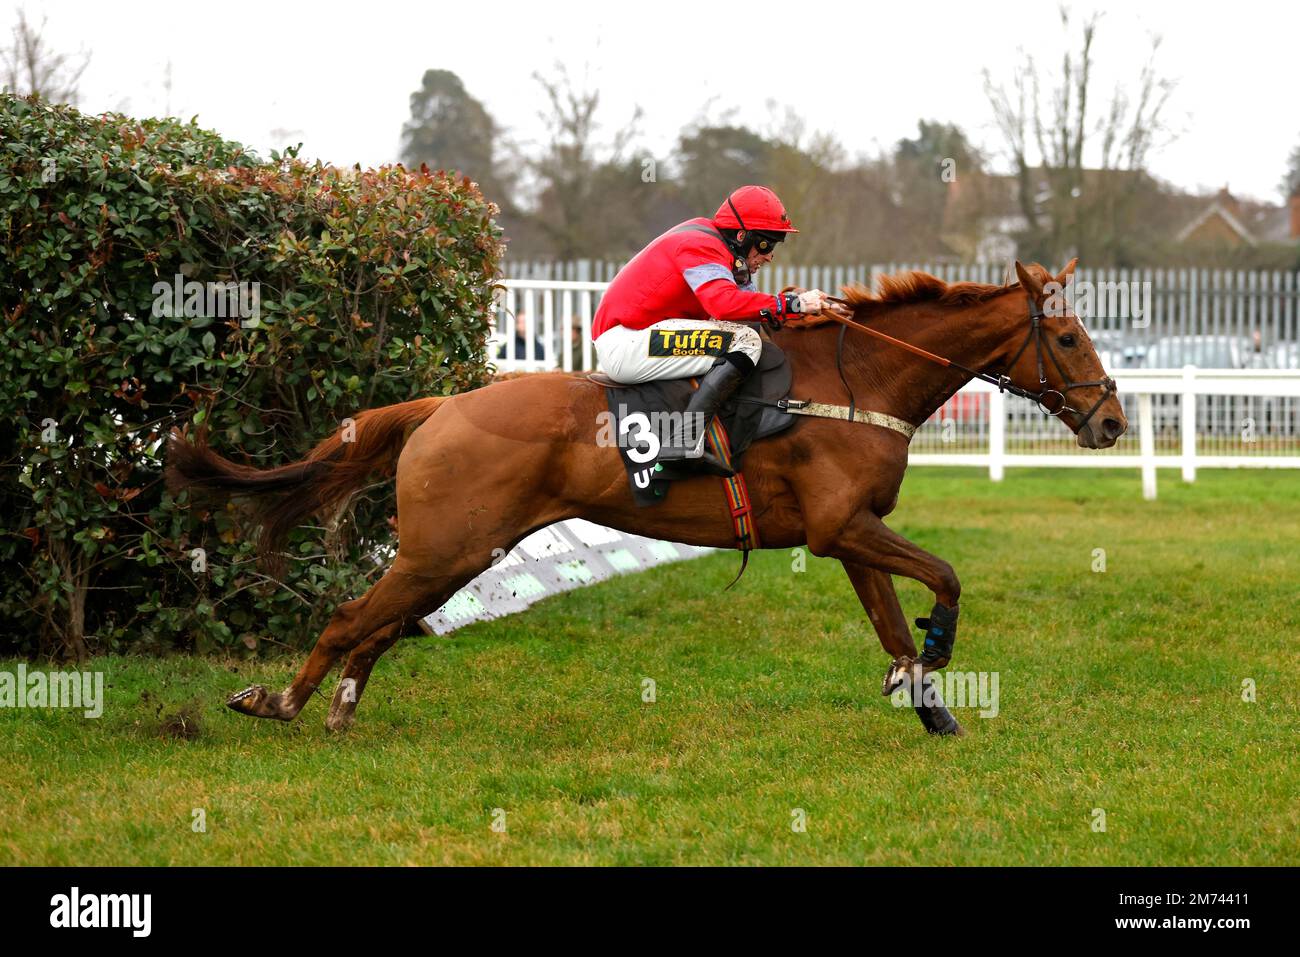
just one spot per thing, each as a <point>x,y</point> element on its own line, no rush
<point>865,540</point>
<point>880,601</point>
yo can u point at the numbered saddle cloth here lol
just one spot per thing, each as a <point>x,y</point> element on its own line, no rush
<point>642,418</point>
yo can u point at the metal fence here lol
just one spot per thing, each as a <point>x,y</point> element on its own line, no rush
<point>1139,318</point>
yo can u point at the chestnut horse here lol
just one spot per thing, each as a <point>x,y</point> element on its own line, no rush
<point>481,470</point>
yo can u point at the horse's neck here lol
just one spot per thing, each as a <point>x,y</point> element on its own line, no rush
<point>887,378</point>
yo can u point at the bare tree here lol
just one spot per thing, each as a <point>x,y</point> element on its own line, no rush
<point>590,193</point>
<point>30,66</point>
<point>1069,208</point>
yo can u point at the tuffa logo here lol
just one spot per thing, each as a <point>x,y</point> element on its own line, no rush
<point>673,343</point>
<point>103,910</point>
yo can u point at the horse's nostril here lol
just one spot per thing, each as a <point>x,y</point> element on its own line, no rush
<point>1112,428</point>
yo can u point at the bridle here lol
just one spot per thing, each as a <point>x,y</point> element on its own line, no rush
<point>1049,401</point>
<point>1041,344</point>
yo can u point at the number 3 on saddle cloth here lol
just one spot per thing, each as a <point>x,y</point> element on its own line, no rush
<point>642,418</point>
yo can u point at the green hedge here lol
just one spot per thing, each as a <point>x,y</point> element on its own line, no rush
<point>375,288</point>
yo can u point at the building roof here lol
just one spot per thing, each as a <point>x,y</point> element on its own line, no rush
<point>1251,221</point>
<point>1223,210</point>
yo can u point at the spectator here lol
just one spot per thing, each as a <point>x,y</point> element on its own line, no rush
<point>576,339</point>
<point>521,342</point>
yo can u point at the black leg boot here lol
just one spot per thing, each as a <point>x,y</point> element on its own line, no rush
<point>687,449</point>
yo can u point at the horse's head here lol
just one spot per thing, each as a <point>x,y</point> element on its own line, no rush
<point>1054,357</point>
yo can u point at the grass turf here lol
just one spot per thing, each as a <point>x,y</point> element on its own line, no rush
<point>1119,690</point>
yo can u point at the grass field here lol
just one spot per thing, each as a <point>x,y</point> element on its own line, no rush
<point>1119,690</point>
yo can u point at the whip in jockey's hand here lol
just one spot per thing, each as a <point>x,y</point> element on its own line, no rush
<point>686,305</point>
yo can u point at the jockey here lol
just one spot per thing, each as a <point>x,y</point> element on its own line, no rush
<point>683,305</point>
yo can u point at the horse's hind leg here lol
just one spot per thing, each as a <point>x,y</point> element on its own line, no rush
<point>397,597</point>
<point>356,673</point>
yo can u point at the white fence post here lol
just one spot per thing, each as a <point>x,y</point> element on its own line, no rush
<point>997,434</point>
<point>548,330</point>
<point>1187,424</point>
<point>587,362</point>
<point>1147,445</point>
<point>566,320</point>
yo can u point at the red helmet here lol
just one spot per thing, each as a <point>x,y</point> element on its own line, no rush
<point>753,207</point>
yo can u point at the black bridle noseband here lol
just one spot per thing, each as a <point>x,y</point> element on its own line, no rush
<point>1041,397</point>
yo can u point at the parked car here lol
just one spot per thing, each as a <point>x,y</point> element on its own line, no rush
<point>965,408</point>
<point>1280,355</point>
<point>1226,415</point>
<point>1204,352</point>
<point>1116,350</point>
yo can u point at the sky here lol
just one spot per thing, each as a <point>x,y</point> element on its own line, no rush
<point>337,76</point>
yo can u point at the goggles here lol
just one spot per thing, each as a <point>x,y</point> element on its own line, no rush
<point>766,242</point>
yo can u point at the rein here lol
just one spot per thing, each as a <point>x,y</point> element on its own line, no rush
<point>1041,398</point>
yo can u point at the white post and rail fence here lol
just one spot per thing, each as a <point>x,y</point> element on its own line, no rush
<point>1185,418</point>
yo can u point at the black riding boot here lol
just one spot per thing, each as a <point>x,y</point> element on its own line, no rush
<point>687,449</point>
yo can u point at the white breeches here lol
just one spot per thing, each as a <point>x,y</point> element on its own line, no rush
<point>673,348</point>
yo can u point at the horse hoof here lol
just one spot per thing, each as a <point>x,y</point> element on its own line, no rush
<point>343,706</point>
<point>939,720</point>
<point>257,702</point>
<point>339,722</point>
<point>932,664</point>
<point>248,700</point>
<point>895,676</point>
<point>342,715</point>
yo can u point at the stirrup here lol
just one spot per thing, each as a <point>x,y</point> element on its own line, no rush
<point>708,464</point>
<point>679,451</point>
<point>696,458</point>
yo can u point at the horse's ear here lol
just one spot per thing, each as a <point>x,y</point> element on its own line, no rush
<point>1068,271</point>
<point>1029,282</point>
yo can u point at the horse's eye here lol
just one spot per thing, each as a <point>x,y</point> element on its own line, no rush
<point>1067,340</point>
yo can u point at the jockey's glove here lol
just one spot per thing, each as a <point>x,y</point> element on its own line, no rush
<point>811,303</point>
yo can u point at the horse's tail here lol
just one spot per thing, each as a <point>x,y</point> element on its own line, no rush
<point>287,495</point>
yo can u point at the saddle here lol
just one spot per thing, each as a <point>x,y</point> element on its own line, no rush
<point>641,415</point>
<point>641,419</point>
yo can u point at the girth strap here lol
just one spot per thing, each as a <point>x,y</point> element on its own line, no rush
<point>844,413</point>
<point>823,411</point>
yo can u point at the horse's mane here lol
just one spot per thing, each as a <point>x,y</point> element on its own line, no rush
<point>915,286</point>
<point>910,287</point>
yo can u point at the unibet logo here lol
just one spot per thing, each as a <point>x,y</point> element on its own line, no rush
<point>674,343</point>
